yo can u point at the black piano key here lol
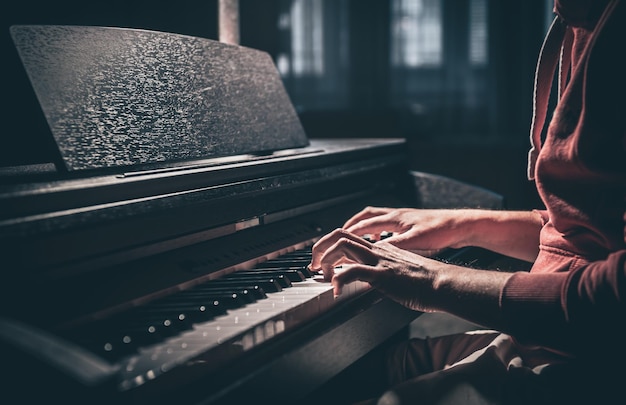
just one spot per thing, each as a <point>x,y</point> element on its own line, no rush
<point>144,324</point>
<point>115,339</point>
<point>253,290</point>
<point>111,349</point>
<point>293,260</point>
<point>286,262</point>
<point>124,335</point>
<point>149,328</point>
<point>196,312</point>
<point>281,280</point>
<point>303,266</point>
<point>304,250</point>
<point>175,319</point>
<point>106,341</point>
<point>225,299</point>
<point>228,299</point>
<point>117,348</point>
<point>294,275</point>
<point>267,285</point>
<point>141,334</point>
<point>297,255</point>
<point>304,270</point>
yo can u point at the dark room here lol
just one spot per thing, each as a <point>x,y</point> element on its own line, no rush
<point>313,202</point>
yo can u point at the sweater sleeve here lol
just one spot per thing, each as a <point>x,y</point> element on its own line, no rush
<point>581,312</point>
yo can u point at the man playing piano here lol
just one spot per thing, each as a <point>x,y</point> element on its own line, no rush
<point>559,329</point>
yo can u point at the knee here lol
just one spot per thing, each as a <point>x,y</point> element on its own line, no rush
<point>389,398</point>
<point>461,393</point>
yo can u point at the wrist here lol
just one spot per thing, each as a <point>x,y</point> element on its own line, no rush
<point>511,233</point>
<point>471,227</point>
<point>473,295</point>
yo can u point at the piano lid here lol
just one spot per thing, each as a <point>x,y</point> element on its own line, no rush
<point>119,97</point>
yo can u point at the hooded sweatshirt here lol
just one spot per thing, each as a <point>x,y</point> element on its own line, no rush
<point>573,300</point>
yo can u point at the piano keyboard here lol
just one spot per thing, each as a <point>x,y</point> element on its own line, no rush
<point>211,322</point>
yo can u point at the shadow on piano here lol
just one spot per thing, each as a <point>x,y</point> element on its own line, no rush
<point>160,256</point>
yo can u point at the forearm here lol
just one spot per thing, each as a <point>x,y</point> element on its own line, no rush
<point>511,233</point>
<point>415,281</point>
<point>473,295</point>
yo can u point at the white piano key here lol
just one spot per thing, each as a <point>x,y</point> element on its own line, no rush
<point>244,328</point>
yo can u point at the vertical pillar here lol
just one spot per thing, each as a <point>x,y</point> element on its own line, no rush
<point>228,21</point>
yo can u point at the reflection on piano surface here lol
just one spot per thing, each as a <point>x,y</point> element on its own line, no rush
<point>163,259</point>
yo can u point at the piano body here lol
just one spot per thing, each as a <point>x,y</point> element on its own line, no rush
<point>162,258</point>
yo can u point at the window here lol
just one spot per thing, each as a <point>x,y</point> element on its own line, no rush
<point>438,62</point>
<point>313,57</point>
<point>436,53</point>
<point>478,55</point>
<point>305,22</point>
<point>417,33</point>
<point>441,68</point>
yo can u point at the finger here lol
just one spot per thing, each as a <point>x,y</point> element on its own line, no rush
<point>346,251</point>
<point>404,240</point>
<point>326,242</point>
<point>417,241</point>
<point>351,273</point>
<point>366,213</point>
<point>376,226</point>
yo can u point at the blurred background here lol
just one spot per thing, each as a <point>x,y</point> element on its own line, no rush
<point>453,77</point>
